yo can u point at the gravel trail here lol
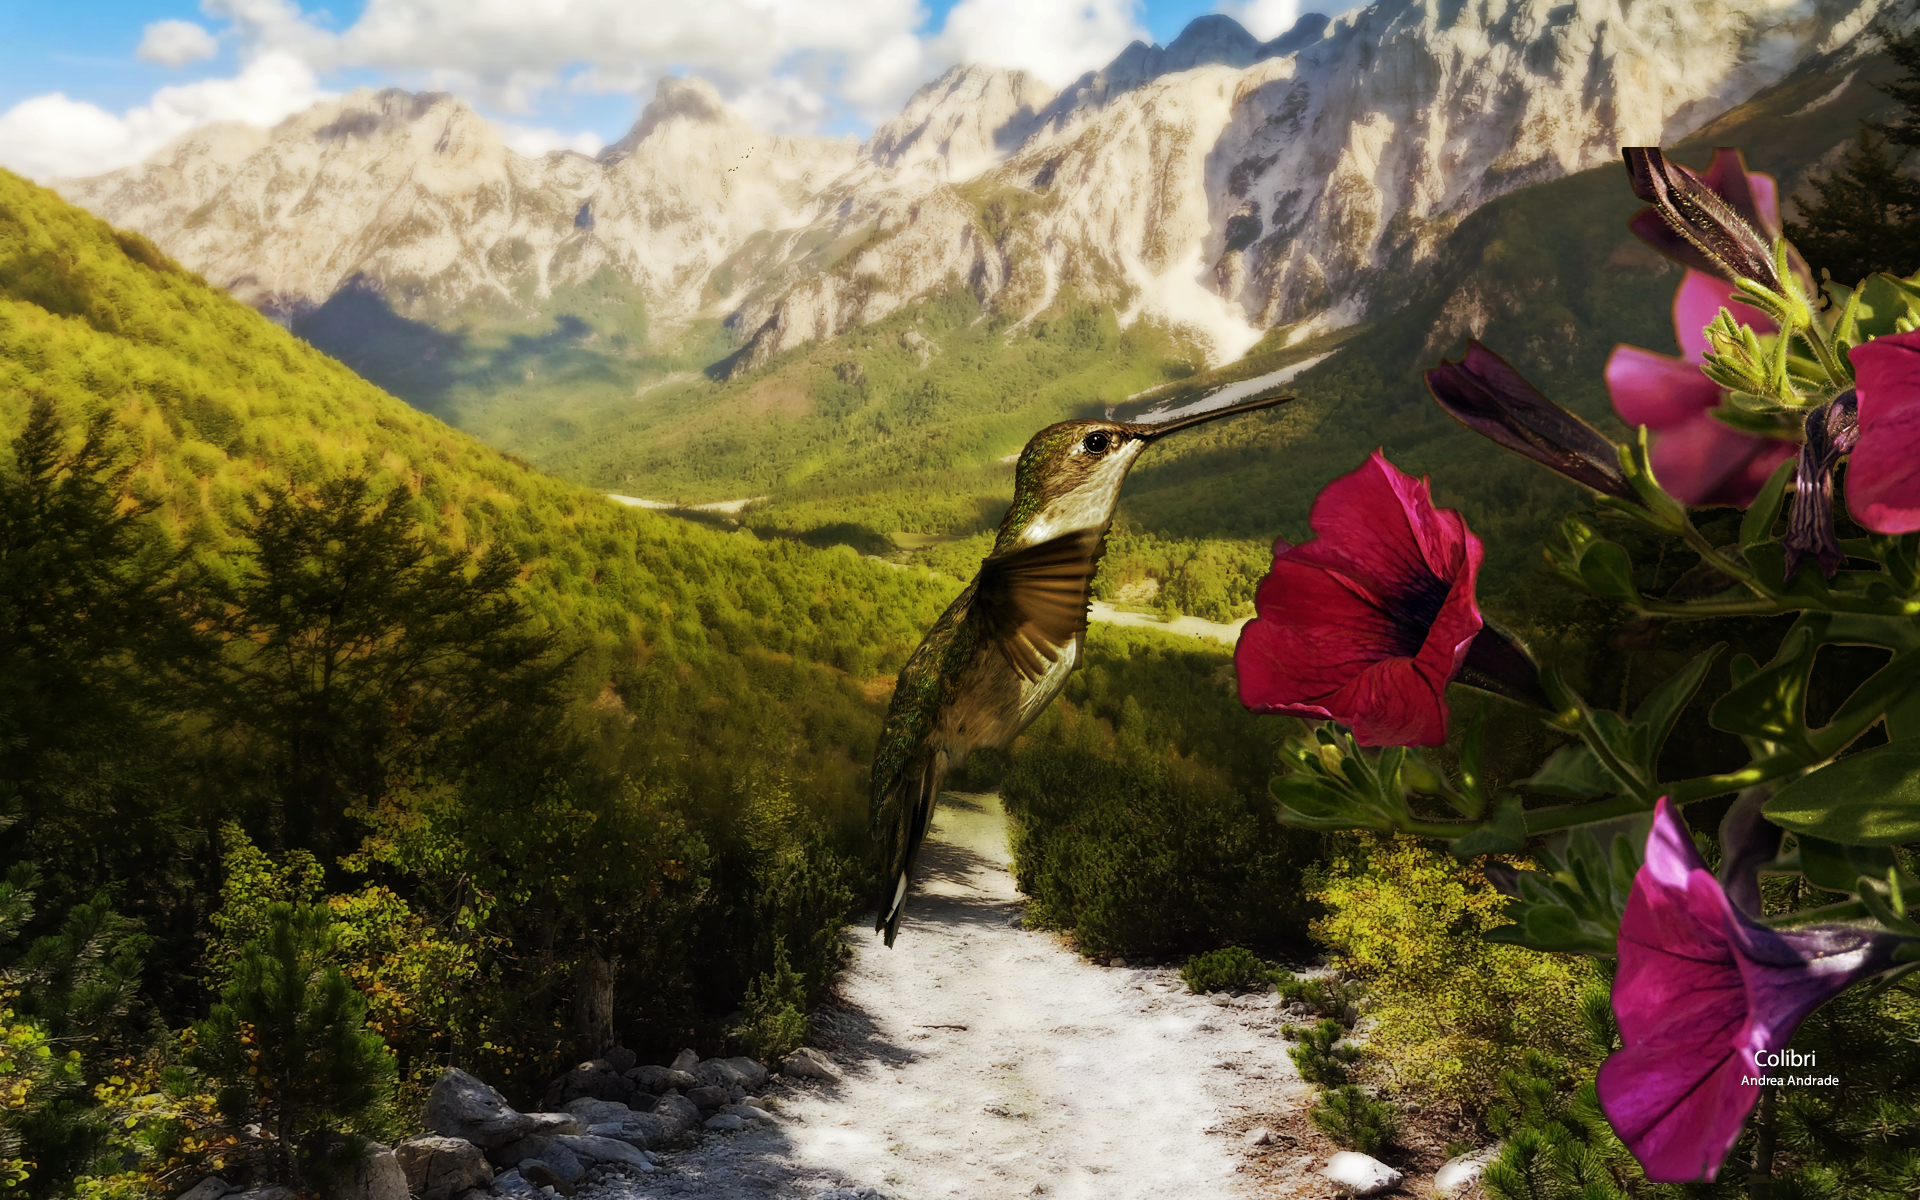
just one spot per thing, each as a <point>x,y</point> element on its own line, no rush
<point>982,1060</point>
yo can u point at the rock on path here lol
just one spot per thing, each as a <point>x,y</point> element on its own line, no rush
<point>981,1060</point>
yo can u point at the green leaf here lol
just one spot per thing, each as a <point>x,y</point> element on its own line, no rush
<point>1884,299</point>
<point>1606,569</point>
<point>1573,771</point>
<point>1757,527</point>
<point>1766,424</point>
<point>1659,711</point>
<point>1770,702</point>
<point>1838,868</point>
<point>1474,797</point>
<point>1506,833</point>
<point>1867,799</point>
<point>1554,929</point>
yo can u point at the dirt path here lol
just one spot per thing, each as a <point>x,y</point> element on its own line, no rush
<point>986,1061</point>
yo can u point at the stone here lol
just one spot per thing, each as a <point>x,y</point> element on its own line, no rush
<point>270,1192</point>
<point>1460,1174</point>
<point>542,1175</point>
<point>377,1176</point>
<point>604,1150</point>
<point>643,1102</point>
<point>1360,1174</point>
<point>686,1061</point>
<point>211,1188</point>
<point>461,1106</point>
<point>588,1111</point>
<point>438,1168</point>
<point>726,1123</point>
<point>549,1150</point>
<point>808,1063</point>
<point>678,1113</point>
<point>1116,962</point>
<point>714,1072</point>
<point>513,1184</point>
<point>595,1079</point>
<point>620,1058</point>
<point>750,1112</point>
<point>660,1079</point>
<point>551,1124</point>
<point>753,1074</point>
<point>1259,1135</point>
<point>709,1097</point>
<point>564,1163</point>
<point>631,1132</point>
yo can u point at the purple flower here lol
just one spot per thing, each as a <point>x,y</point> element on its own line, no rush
<point>1367,623</point>
<point>1832,431</point>
<point>1883,476</point>
<point>1702,991</point>
<point>1721,222</point>
<point>1699,460</point>
<point>1488,396</point>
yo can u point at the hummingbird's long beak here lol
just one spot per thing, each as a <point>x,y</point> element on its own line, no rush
<point>1151,432</point>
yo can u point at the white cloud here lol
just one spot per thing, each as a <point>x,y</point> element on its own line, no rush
<point>505,53</point>
<point>1264,19</point>
<point>176,43</point>
<point>51,136</point>
<point>534,141</point>
<point>1057,40</point>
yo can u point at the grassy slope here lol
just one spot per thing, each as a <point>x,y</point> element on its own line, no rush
<point>217,403</point>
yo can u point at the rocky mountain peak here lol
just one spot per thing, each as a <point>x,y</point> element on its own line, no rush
<point>1211,40</point>
<point>961,123</point>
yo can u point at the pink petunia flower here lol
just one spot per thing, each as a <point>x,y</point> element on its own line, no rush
<point>1368,622</point>
<point>1699,460</point>
<point>1703,991</point>
<point>1883,476</point>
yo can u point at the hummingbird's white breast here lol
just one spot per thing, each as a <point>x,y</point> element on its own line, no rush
<point>1088,506</point>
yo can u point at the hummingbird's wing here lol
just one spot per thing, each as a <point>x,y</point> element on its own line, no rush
<point>1033,601</point>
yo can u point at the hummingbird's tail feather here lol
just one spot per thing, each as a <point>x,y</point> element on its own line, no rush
<point>915,794</point>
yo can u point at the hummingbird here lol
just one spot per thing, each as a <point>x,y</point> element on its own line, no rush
<point>1006,645</point>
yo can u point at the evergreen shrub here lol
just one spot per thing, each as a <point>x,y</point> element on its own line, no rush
<point>1229,969</point>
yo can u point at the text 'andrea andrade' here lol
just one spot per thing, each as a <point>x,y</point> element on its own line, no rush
<point>1788,1058</point>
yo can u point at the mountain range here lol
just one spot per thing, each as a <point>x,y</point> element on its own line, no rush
<point>1220,185</point>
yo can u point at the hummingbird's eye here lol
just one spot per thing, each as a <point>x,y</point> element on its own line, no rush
<point>1097,442</point>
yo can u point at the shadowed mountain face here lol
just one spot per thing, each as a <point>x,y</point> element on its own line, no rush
<point>1220,184</point>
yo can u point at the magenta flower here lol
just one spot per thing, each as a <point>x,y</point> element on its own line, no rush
<point>1699,460</point>
<point>1701,993</point>
<point>1883,475</point>
<point>1368,622</point>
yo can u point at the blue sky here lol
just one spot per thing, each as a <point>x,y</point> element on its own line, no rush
<point>95,84</point>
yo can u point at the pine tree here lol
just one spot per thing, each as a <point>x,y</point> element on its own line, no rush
<point>355,650</point>
<point>289,1047</point>
<point>1867,217</point>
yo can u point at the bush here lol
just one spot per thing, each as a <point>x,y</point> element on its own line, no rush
<point>1329,997</point>
<point>1140,851</point>
<point>1454,1010</point>
<point>288,1047</point>
<point>1558,1142</point>
<point>777,1022</point>
<point>1232,969</point>
<point>1321,1057</point>
<point>1354,1120</point>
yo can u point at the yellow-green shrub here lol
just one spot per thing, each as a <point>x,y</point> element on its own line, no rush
<point>1452,1011</point>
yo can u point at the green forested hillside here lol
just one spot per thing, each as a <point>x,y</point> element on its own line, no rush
<point>553,771</point>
